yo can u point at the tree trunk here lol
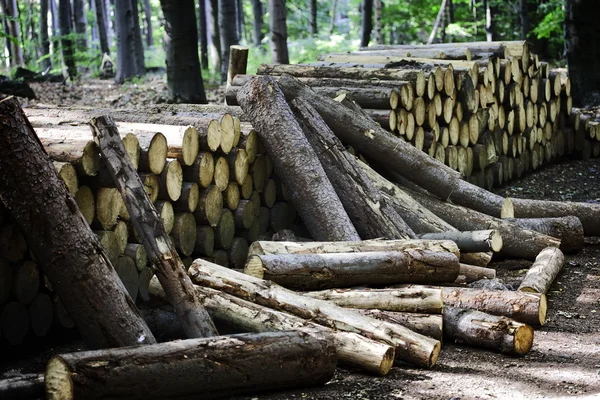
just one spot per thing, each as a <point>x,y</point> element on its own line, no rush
<point>215,35</point>
<point>436,24</point>
<point>367,22</point>
<point>544,270</point>
<point>126,54</point>
<point>257,12</point>
<point>410,347</point>
<point>203,34</point>
<point>137,40</point>
<point>228,32</point>
<point>102,28</point>
<point>64,16</point>
<point>568,229</point>
<point>238,62</point>
<point>479,329</point>
<point>216,367</point>
<point>148,20</point>
<point>278,34</point>
<point>184,78</point>
<point>425,324</point>
<point>378,10</point>
<point>45,41</point>
<point>170,270</point>
<point>322,271</point>
<point>80,19</point>
<point>316,200</point>
<point>524,17</point>
<point>371,214</point>
<point>313,28</point>
<point>16,52</point>
<point>470,241</point>
<point>332,15</point>
<point>239,12</point>
<point>62,241</point>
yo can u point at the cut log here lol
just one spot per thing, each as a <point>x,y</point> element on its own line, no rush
<point>470,242</point>
<point>371,214</point>
<point>411,298</point>
<point>14,320</point>
<point>205,240</point>
<point>171,181</point>
<point>425,324</point>
<point>470,273</point>
<point>145,219</point>
<point>68,174</point>
<point>568,229</point>
<point>27,386</point>
<point>190,195</point>
<point>137,252</point>
<point>41,315</point>
<point>225,230</point>
<point>339,270</point>
<point>153,152</point>
<point>202,170</point>
<point>227,133</point>
<point>128,273</point>
<point>221,176</point>
<point>210,206</point>
<point>216,367</point>
<point>479,329</point>
<point>26,282</point>
<point>315,199</point>
<point>544,270</point>
<point>184,233</point>
<point>81,153</point>
<point>6,278</point>
<point>398,155</point>
<point>529,308</point>
<point>86,203</point>
<point>167,215</point>
<point>108,205</point>
<point>476,259</point>
<point>238,165</point>
<point>61,240</point>
<point>411,347</point>
<point>238,62</point>
<point>231,196</point>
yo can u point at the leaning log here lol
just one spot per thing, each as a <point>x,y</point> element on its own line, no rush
<point>339,270</point>
<point>568,229</point>
<point>146,221</point>
<point>61,239</point>
<point>297,165</point>
<point>543,272</point>
<point>215,367</point>
<point>410,347</point>
<point>479,329</point>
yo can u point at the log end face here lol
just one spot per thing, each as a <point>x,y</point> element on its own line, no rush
<point>254,267</point>
<point>387,361</point>
<point>543,309</point>
<point>190,145</point>
<point>495,241</point>
<point>57,378</point>
<point>507,210</point>
<point>435,353</point>
<point>523,340</point>
<point>157,153</point>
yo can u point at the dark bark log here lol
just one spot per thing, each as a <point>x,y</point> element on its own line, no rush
<point>367,22</point>
<point>398,155</point>
<point>27,386</point>
<point>45,41</point>
<point>148,20</point>
<point>102,28</point>
<point>370,213</point>
<point>278,32</point>
<point>61,240</point>
<point>80,20</point>
<point>216,367</point>
<point>228,32</point>
<point>64,14</point>
<point>308,186</point>
<point>215,35</point>
<point>568,229</point>
<point>257,12</point>
<point>202,33</point>
<point>184,78</point>
<point>150,229</point>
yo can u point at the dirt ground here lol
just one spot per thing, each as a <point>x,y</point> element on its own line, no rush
<point>564,361</point>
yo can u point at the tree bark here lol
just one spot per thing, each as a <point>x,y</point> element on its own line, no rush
<point>378,9</point>
<point>398,155</point>
<point>367,22</point>
<point>568,229</point>
<point>470,273</point>
<point>203,34</point>
<point>64,16</point>
<point>524,18</point>
<point>313,28</point>
<point>436,24</point>
<point>228,32</point>
<point>16,51</point>
<point>137,40</point>
<point>410,347</point>
<point>370,213</point>
<point>257,12</point>
<point>278,34</point>
<point>544,271</point>
<point>470,241</point>
<point>27,386</point>
<point>184,78</point>
<point>102,28</point>
<point>215,367</point>
<point>425,324</point>
<point>215,35</point>
<point>332,16</point>
<point>479,329</point>
<point>148,20</point>
<point>163,256</point>
<point>62,241</point>
<point>80,19</point>
<point>316,200</point>
<point>126,48</point>
<point>238,62</point>
<point>45,41</point>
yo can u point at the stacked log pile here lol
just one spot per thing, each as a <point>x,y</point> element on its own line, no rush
<point>491,111</point>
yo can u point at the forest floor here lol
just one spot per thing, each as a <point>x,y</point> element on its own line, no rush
<point>563,363</point>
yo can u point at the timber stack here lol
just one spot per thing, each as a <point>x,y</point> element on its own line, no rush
<point>491,111</point>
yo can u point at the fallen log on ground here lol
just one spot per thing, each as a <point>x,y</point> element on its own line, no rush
<point>16,88</point>
<point>478,259</point>
<point>543,272</point>
<point>150,229</point>
<point>470,241</point>
<point>308,186</point>
<point>340,270</point>
<point>351,348</point>
<point>568,229</point>
<point>479,329</point>
<point>409,298</point>
<point>425,324</point>
<point>27,386</point>
<point>215,367</point>
<point>410,346</point>
<point>470,273</point>
<point>61,240</point>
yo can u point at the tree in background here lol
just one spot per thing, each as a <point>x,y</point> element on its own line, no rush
<point>313,18</point>
<point>44,39</point>
<point>148,20</point>
<point>129,39</point>
<point>202,33</point>
<point>66,44</point>
<point>367,22</point>
<point>228,31</point>
<point>215,34</point>
<point>184,77</point>
<point>257,12</point>
<point>80,20</point>
<point>9,8</point>
<point>278,27</point>
<point>101,24</point>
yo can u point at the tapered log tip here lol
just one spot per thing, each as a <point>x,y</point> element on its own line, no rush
<point>523,340</point>
<point>507,210</point>
<point>543,309</point>
<point>254,267</point>
<point>57,378</point>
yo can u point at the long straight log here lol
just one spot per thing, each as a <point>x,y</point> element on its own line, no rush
<point>338,270</point>
<point>479,329</point>
<point>425,324</point>
<point>298,166</point>
<point>372,215</point>
<point>568,229</point>
<point>544,270</point>
<point>470,242</point>
<point>470,273</point>
<point>216,367</point>
<point>365,135</point>
<point>159,248</point>
<point>411,347</point>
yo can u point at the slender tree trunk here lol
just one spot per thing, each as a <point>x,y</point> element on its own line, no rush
<point>524,16</point>
<point>64,12</point>
<point>93,28</point>
<point>313,18</point>
<point>202,33</point>
<point>437,22</point>
<point>80,17</point>
<point>126,57</point>
<point>239,12</point>
<point>215,36</point>
<point>148,18</point>
<point>45,41</point>
<point>102,28</point>
<point>16,53</point>
<point>184,77</point>
<point>137,39</point>
<point>489,26</point>
<point>473,5</point>
<point>367,22</point>
<point>444,23</point>
<point>278,26</point>
<point>378,9</point>
<point>55,24</point>
<point>257,10</point>
<point>332,16</point>
<point>228,30</point>
<point>110,22</point>
<point>450,7</point>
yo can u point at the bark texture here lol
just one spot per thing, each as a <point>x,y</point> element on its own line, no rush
<point>278,27</point>
<point>544,271</point>
<point>228,32</point>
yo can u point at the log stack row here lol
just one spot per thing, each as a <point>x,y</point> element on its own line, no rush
<point>491,111</point>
